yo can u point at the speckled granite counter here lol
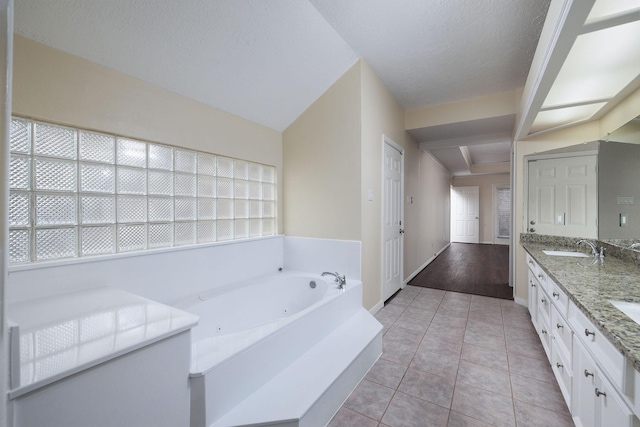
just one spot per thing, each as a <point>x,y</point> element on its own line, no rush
<point>590,286</point>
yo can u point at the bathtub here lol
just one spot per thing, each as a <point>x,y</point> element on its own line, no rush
<point>253,334</point>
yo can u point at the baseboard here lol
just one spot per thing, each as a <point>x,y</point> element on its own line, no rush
<point>376,308</point>
<point>520,301</point>
<point>423,266</point>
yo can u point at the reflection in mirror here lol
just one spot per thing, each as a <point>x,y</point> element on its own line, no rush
<point>618,189</point>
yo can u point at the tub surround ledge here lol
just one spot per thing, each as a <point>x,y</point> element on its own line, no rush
<point>591,286</point>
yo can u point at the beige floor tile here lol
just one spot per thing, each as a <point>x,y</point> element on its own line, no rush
<point>386,373</point>
<point>534,416</point>
<point>436,363</point>
<point>348,418</point>
<point>428,386</point>
<point>494,380</point>
<point>459,420</point>
<point>490,357</point>
<point>482,405</point>
<point>409,411</point>
<point>370,399</point>
<point>539,393</point>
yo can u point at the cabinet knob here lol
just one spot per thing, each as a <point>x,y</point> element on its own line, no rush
<point>588,332</point>
<point>559,365</point>
<point>600,393</point>
<point>530,262</point>
<point>559,326</point>
<point>587,373</point>
<point>532,222</point>
<point>544,331</point>
<point>540,276</point>
<point>532,230</point>
<point>542,300</point>
<point>533,285</point>
<point>556,295</point>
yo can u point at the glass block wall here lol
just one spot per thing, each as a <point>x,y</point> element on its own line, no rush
<point>78,193</point>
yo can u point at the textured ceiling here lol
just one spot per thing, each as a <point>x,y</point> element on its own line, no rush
<point>264,60</point>
<point>439,51</point>
<point>268,60</point>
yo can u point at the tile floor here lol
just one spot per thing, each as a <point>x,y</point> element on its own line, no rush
<point>453,360</point>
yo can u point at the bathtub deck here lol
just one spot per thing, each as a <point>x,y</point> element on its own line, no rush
<point>309,391</point>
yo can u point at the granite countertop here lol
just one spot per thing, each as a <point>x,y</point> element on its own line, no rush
<point>589,286</point>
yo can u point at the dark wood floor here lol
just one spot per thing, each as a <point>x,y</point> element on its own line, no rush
<point>469,268</point>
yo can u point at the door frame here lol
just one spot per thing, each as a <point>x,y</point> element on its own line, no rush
<point>388,141</point>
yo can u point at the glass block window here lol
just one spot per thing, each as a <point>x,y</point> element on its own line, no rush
<point>77,193</point>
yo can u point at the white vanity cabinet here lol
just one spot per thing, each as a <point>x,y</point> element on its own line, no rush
<point>596,380</point>
<point>532,292</point>
<point>597,403</point>
<point>540,303</point>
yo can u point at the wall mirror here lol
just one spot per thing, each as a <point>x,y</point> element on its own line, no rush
<point>589,190</point>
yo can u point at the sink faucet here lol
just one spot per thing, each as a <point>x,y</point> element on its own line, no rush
<point>340,280</point>
<point>594,248</point>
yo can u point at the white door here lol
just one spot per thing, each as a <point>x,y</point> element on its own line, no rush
<point>466,216</point>
<point>562,197</point>
<point>392,221</point>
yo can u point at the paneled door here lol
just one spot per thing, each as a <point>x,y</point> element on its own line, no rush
<point>466,216</point>
<point>562,196</point>
<point>392,220</point>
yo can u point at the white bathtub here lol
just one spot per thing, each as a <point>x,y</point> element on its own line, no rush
<point>251,333</point>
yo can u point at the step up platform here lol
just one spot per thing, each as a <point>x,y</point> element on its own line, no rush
<point>309,391</point>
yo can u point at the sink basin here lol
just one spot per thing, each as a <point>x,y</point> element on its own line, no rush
<point>567,253</point>
<point>631,309</point>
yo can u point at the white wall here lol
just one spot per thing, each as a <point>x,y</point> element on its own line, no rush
<point>164,275</point>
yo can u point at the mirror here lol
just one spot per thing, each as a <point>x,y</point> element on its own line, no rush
<point>565,199</point>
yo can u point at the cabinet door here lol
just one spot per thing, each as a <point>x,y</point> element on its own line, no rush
<point>611,411</point>
<point>584,385</point>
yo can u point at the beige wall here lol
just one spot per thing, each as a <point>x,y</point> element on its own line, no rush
<point>434,190</point>
<point>486,183</point>
<point>54,86</point>
<point>333,157</point>
<point>321,158</point>
<point>495,105</point>
<point>383,115</point>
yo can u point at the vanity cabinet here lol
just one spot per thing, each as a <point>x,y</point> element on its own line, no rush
<point>598,383</point>
<point>597,402</point>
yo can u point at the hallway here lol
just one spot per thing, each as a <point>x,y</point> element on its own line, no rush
<point>476,269</point>
<point>453,360</point>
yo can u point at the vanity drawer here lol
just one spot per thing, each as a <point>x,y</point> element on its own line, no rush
<point>610,359</point>
<point>533,266</point>
<point>544,320</point>
<point>562,334</point>
<point>563,372</point>
<point>558,297</point>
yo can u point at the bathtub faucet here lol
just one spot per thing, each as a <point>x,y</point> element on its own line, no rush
<point>340,280</point>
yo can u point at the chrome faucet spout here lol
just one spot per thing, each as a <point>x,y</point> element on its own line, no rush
<point>340,280</point>
<point>594,248</point>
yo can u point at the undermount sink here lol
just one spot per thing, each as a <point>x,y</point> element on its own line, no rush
<point>631,309</point>
<point>567,253</point>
